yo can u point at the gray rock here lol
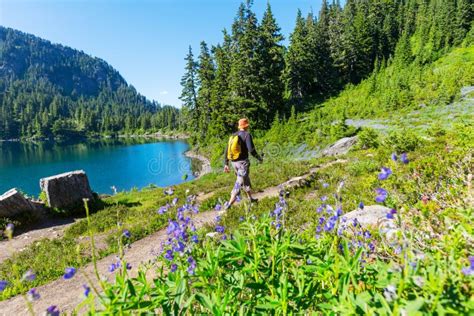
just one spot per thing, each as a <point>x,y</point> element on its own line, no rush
<point>67,189</point>
<point>372,215</point>
<point>13,203</point>
<point>341,147</point>
<point>466,90</point>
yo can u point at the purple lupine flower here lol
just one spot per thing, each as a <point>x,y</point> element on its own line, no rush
<point>69,273</point>
<point>169,191</point>
<point>218,219</point>
<point>220,229</point>
<point>324,198</point>
<point>384,173</point>
<point>3,285</point>
<point>367,234</point>
<point>174,267</point>
<point>321,220</point>
<point>192,265</point>
<point>394,157</point>
<point>325,185</point>
<point>179,247</point>
<point>126,233</point>
<point>162,210</point>
<point>32,295</point>
<point>195,209</point>
<point>29,276</point>
<point>238,198</point>
<point>128,266</point>
<point>339,211</point>
<point>469,270</point>
<point>381,195</point>
<point>277,211</point>
<point>371,247</point>
<point>169,255</point>
<point>241,219</point>
<point>319,209</point>
<point>112,267</point>
<point>278,225</point>
<point>361,205</point>
<point>404,158</point>
<point>52,311</point>
<point>195,239</point>
<point>218,207</point>
<point>391,213</point>
<point>172,227</point>
<point>87,290</point>
<point>174,201</point>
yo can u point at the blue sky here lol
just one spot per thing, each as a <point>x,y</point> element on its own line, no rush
<point>145,40</point>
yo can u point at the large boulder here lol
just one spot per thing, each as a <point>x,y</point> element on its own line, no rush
<point>341,147</point>
<point>67,189</point>
<point>13,203</point>
<point>372,215</point>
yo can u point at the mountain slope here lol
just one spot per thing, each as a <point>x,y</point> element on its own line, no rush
<point>51,90</point>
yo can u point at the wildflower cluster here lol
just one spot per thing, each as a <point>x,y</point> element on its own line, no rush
<point>280,208</point>
<point>181,236</point>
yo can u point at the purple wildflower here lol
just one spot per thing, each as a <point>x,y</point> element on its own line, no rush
<point>404,158</point>
<point>391,213</point>
<point>126,233</point>
<point>69,273</point>
<point>162,210</point>
<point>218,207</point>
<point>192,265</point>
<point>325,185</point>
<point>241,219</point>
<point>173,226</point>
<point>367,234</point>
<point>220,229</point>
<point>174,201</point>
<point>128,266</point>
<point>218,219</point>
<point>394,157</point>
<point>169,255</point>
<point>321,220</point>
<point>32,295</point>
<point>112,267</point>
<point>324,198</point>
<point>195,239</point>
<point>308,261</point>
<point>179,247</point>
<point>52,311</point>
<point>384,173</point>
<point>87,290</point>
<point>381,195</point>
<point>29,276</point>
<point>339,211</point>
<point>3,285</point>
<point>361,205</point>
<point>469,270</point>
<point>174,267</point>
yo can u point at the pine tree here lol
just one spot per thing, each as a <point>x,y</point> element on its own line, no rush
<point>205,74</point>
<point>295,68</point>
<point>272,63</point>
<point>190,86</point>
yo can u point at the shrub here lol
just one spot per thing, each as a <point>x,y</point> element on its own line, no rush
<point>403,141</point>
<point>368,138</point>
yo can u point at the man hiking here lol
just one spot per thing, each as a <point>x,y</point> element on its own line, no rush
<point>237,152</point>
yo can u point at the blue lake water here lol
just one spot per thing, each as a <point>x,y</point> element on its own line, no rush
<point>124,164</point>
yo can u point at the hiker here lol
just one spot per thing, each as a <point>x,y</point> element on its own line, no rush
<point>237,152</point>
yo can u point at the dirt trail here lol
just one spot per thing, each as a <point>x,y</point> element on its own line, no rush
<point>67,294</point>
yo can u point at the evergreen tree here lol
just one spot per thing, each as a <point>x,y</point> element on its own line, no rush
<point>189,82</point>
<point>205,74</point>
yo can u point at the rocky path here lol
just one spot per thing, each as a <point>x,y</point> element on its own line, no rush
<point>67,294</point>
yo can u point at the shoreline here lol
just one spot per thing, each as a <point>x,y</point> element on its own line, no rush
<point>157,135</point>
<point>205,163</point>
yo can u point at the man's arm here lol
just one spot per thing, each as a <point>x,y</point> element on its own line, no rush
<point>226,160</point>
<point>251,148</point>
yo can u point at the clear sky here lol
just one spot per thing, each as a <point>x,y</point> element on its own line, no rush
<point>145,40</point>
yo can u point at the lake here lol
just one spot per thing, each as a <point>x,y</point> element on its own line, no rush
<point>125,164</point>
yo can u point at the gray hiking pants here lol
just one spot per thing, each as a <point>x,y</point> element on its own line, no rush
<point>242,171</point>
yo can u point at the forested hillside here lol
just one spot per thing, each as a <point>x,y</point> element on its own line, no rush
<point>392,43</point>
<point>51,90</point>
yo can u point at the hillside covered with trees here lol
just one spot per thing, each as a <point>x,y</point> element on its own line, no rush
<point>51,90</point>
<point>392,43</point>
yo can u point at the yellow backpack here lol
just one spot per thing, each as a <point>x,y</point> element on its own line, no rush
<point>233,148</point>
